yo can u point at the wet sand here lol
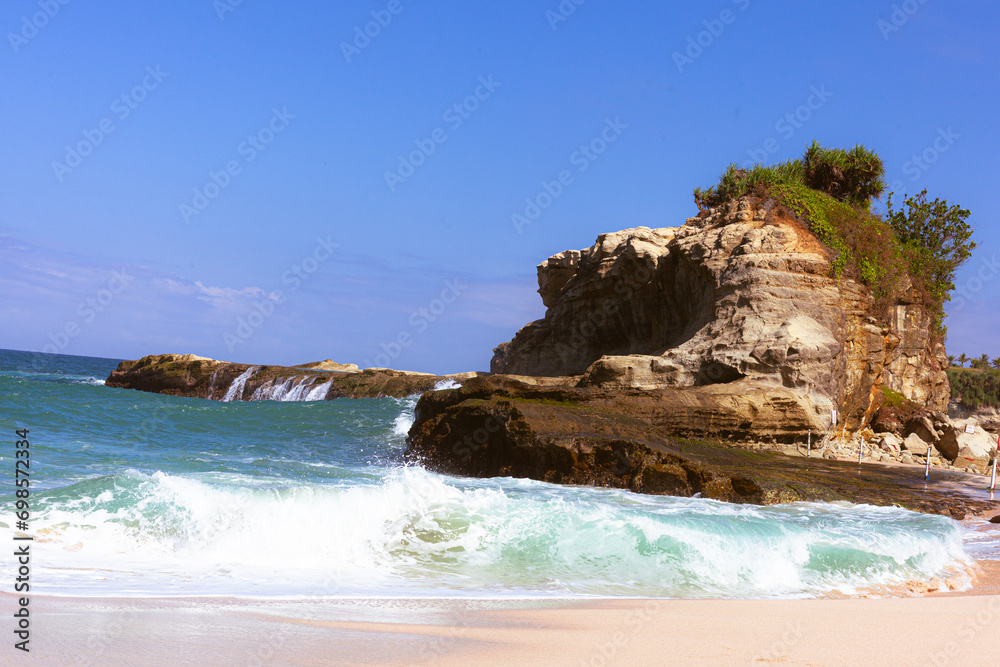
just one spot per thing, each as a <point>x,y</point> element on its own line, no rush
<point>931,630</point>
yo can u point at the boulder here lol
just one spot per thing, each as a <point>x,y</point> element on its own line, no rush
<point>887,421</point>
<point>956,442</point>
<point>330,365</point>
<point>922,425</point>
<point>891,442</point>
<point>915,445</point>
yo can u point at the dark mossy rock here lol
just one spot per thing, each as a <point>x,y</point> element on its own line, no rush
<point>496,427</point>
<point>198,377</point>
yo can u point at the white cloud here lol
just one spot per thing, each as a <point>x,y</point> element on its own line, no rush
<point>223,298</point>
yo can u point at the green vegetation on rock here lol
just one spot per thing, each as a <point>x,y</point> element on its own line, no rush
<point>975,388</point>
<point>913,251</point>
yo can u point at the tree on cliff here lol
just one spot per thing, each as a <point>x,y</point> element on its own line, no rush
<point>951,360</point>
<point>917,248</point>
<point>996,363</point>
<point>962,359</point>
<point>939,237</point>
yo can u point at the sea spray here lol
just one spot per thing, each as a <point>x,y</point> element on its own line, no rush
<point>412,532</point>
<point>267,498</point>
<point>235,391</point>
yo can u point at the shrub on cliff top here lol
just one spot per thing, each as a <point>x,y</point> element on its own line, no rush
<point>832,189</point>
<point>854,176</point>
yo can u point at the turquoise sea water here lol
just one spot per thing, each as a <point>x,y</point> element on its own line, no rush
<point>141,494</point>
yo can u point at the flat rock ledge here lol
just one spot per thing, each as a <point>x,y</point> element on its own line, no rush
<point>200,377</point>
<point>498,427</point>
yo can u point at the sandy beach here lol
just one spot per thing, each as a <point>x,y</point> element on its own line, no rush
<point>949,629</point>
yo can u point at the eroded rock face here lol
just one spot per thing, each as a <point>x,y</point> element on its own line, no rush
<point>742,292</point>
<point>916,369</point>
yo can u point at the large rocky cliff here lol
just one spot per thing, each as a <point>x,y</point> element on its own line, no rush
<point>741,295</point>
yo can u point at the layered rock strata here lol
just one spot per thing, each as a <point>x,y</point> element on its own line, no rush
<point>740,296</point>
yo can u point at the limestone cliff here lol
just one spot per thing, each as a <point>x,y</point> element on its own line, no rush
<point>740,295</point>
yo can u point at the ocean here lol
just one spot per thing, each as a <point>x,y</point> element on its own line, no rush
<point>138,494</point>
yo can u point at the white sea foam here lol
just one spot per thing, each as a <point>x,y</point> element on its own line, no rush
<point>418,533</point>
<point>292,389</point>
<point>235,391</point>
<point>404,420</point>
<point>441,385</point>
<point>97,382</point>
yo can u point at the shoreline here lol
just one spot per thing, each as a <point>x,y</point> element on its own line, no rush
<point>538,632</point>
<point>831,630</point>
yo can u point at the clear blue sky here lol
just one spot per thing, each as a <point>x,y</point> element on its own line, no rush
<point>310,128</point>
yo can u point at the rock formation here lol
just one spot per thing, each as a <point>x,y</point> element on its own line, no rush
<point>737,299</point>
<point>495,426</point>
<point>200,377</point>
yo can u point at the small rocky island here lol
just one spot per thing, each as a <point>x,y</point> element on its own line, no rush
<point>200,377</point>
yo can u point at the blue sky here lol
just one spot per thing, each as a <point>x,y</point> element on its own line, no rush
<point>179,175</point>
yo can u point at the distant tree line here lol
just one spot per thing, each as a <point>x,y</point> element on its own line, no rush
<point>976,388</point>
<point>982,362</point>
